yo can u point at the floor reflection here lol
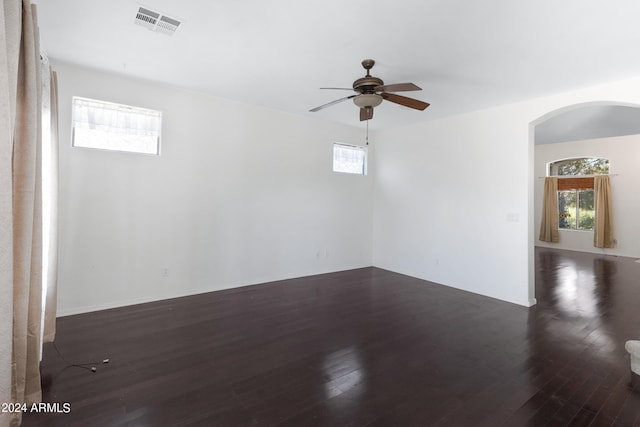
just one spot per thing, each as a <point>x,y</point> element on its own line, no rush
<point>577,286</point>
<point>343,370</point>
<point>576,293</point>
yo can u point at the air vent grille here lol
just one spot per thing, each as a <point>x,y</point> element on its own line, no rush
<point>167,25</point>
<point>157,22</point>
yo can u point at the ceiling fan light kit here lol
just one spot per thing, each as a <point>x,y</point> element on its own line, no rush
<point>371,91</point>
<point>367,100</point>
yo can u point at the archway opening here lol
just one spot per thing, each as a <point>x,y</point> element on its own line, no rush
<point>592,129</point>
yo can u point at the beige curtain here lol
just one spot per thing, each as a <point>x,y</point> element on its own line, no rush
<point>549,223</point>
<point>603,228</point>
<point>51,294</point>
<point>10,35</point>
<point>21,246</point>
<point>27,216</point>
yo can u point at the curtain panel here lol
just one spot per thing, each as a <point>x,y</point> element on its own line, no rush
<point>603,227</point>
<point>10,36</point>
<point>51,291</point>
<point>549,224</point>
<point>21,201</point>
<point>27,216</point>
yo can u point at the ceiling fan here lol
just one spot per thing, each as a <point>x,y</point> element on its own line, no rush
<point>371,91</point>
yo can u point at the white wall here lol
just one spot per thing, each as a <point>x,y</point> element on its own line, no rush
<point>240,195</point>
<point>623,153</point>
<point>244,195</point>
<point>454,198</point>
<point>447,210</point>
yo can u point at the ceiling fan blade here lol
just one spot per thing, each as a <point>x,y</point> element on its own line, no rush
<point>398,87</point>
<point>403,100</point>
<point>337,88</point>
<point>337,101</point>
<point>366,113</point>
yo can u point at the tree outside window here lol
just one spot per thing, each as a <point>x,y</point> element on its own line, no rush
<point>576,209</point>
<point>580,166</point>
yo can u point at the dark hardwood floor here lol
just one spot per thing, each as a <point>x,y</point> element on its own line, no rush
<point>365,347</point>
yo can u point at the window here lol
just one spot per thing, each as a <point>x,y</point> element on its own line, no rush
<point>579,166</point>
<point>349,159</point>
<point>575,190</point>
<point>576,209</point>
<point>109,126</point>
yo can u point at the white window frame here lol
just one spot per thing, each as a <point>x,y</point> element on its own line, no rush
<point>576,212</point>
<point>109,126</point>
<point>344,168</point>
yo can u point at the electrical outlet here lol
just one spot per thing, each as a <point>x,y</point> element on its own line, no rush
<point>165,272</point>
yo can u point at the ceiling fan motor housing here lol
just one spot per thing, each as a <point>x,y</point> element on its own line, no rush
<point>367,84</point>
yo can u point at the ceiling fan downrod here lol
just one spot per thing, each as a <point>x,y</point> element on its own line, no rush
<point>368,64</point>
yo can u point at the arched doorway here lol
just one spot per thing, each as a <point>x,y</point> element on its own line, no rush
<point>589,121</point>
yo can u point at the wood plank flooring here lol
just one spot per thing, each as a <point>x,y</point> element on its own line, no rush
<point>364,347</point>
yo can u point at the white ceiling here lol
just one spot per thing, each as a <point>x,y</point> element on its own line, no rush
<point>589,122</point>
<point>466,55</point>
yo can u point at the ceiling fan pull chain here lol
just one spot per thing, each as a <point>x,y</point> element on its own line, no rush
<point>367,137</point>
